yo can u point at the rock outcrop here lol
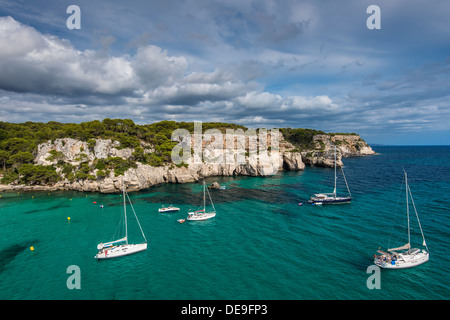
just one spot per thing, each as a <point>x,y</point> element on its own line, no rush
<point>63,152</point>
<point>347,145</point>
<point>75,151</point>
<point>214,185</point>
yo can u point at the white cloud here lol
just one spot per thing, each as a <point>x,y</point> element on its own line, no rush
<point>317,104</point>
<point>260,100</point>
<point>155,67</point>
<point>149,82</point>
<point>17,39</point>
<point>36,62</point>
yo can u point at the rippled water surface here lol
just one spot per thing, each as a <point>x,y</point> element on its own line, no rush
<point>261,244</point>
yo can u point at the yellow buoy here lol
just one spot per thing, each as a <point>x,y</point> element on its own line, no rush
<point>32,248</point>
<point>68,219</point>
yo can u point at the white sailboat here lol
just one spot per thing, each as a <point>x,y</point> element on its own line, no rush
<point>404,256</point>
<point>168,209</point>
<point>332,198</point>
<point>121,247</point>
<point>202,214</point>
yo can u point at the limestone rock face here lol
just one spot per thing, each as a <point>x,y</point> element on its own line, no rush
<point>352,145</point>
<point>347,145</point>
<point>265,161</point>
<point>293,161</point>
<point>107,186</point>
<point>75,151</point>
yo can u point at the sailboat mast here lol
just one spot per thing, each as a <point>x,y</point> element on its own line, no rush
<point>204,199</point>
<point>335,176</point>
<point>212,204</point>
<point>125,211</point>
<point>407,207</point>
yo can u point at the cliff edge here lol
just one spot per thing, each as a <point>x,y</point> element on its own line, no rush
<point>101,165</point>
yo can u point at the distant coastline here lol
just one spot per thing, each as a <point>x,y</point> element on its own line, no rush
<point>98,155</point>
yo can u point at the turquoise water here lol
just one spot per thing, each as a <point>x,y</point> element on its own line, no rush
<point>261,244</point>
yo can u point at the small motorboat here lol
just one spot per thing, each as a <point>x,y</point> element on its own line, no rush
<point>168,209</point>
<point>181,220</point>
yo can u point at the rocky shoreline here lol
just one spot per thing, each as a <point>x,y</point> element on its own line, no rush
<point>143,176</point>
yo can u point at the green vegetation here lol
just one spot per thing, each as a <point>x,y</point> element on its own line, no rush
<point>151,145</point>
<point>55,155</point>
<point>302,138</point>
<point>37,174</point>
<point>116,164</point>
<point>342,134</point>
<point>19,141</point>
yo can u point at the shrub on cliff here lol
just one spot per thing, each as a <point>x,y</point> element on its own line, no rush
<point>118,164</point>
<point>20,158</point>
<point>302,138</point>
<point>37,174</point>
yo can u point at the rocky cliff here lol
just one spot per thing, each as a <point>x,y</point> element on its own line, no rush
<point>71,156</point>
<point>347,145</point>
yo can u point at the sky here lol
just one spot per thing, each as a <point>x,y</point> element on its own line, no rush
<point>262,63</point>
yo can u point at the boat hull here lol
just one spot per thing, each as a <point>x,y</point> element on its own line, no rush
<point>201,217</point>
<point>339,200</point>
<point>122,250</point>
<point>169,210</point>
<point>406,262</point>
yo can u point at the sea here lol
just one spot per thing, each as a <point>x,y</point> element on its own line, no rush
<point>265,243</point>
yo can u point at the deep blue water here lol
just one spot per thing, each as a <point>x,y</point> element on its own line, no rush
<point>261,244</point>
